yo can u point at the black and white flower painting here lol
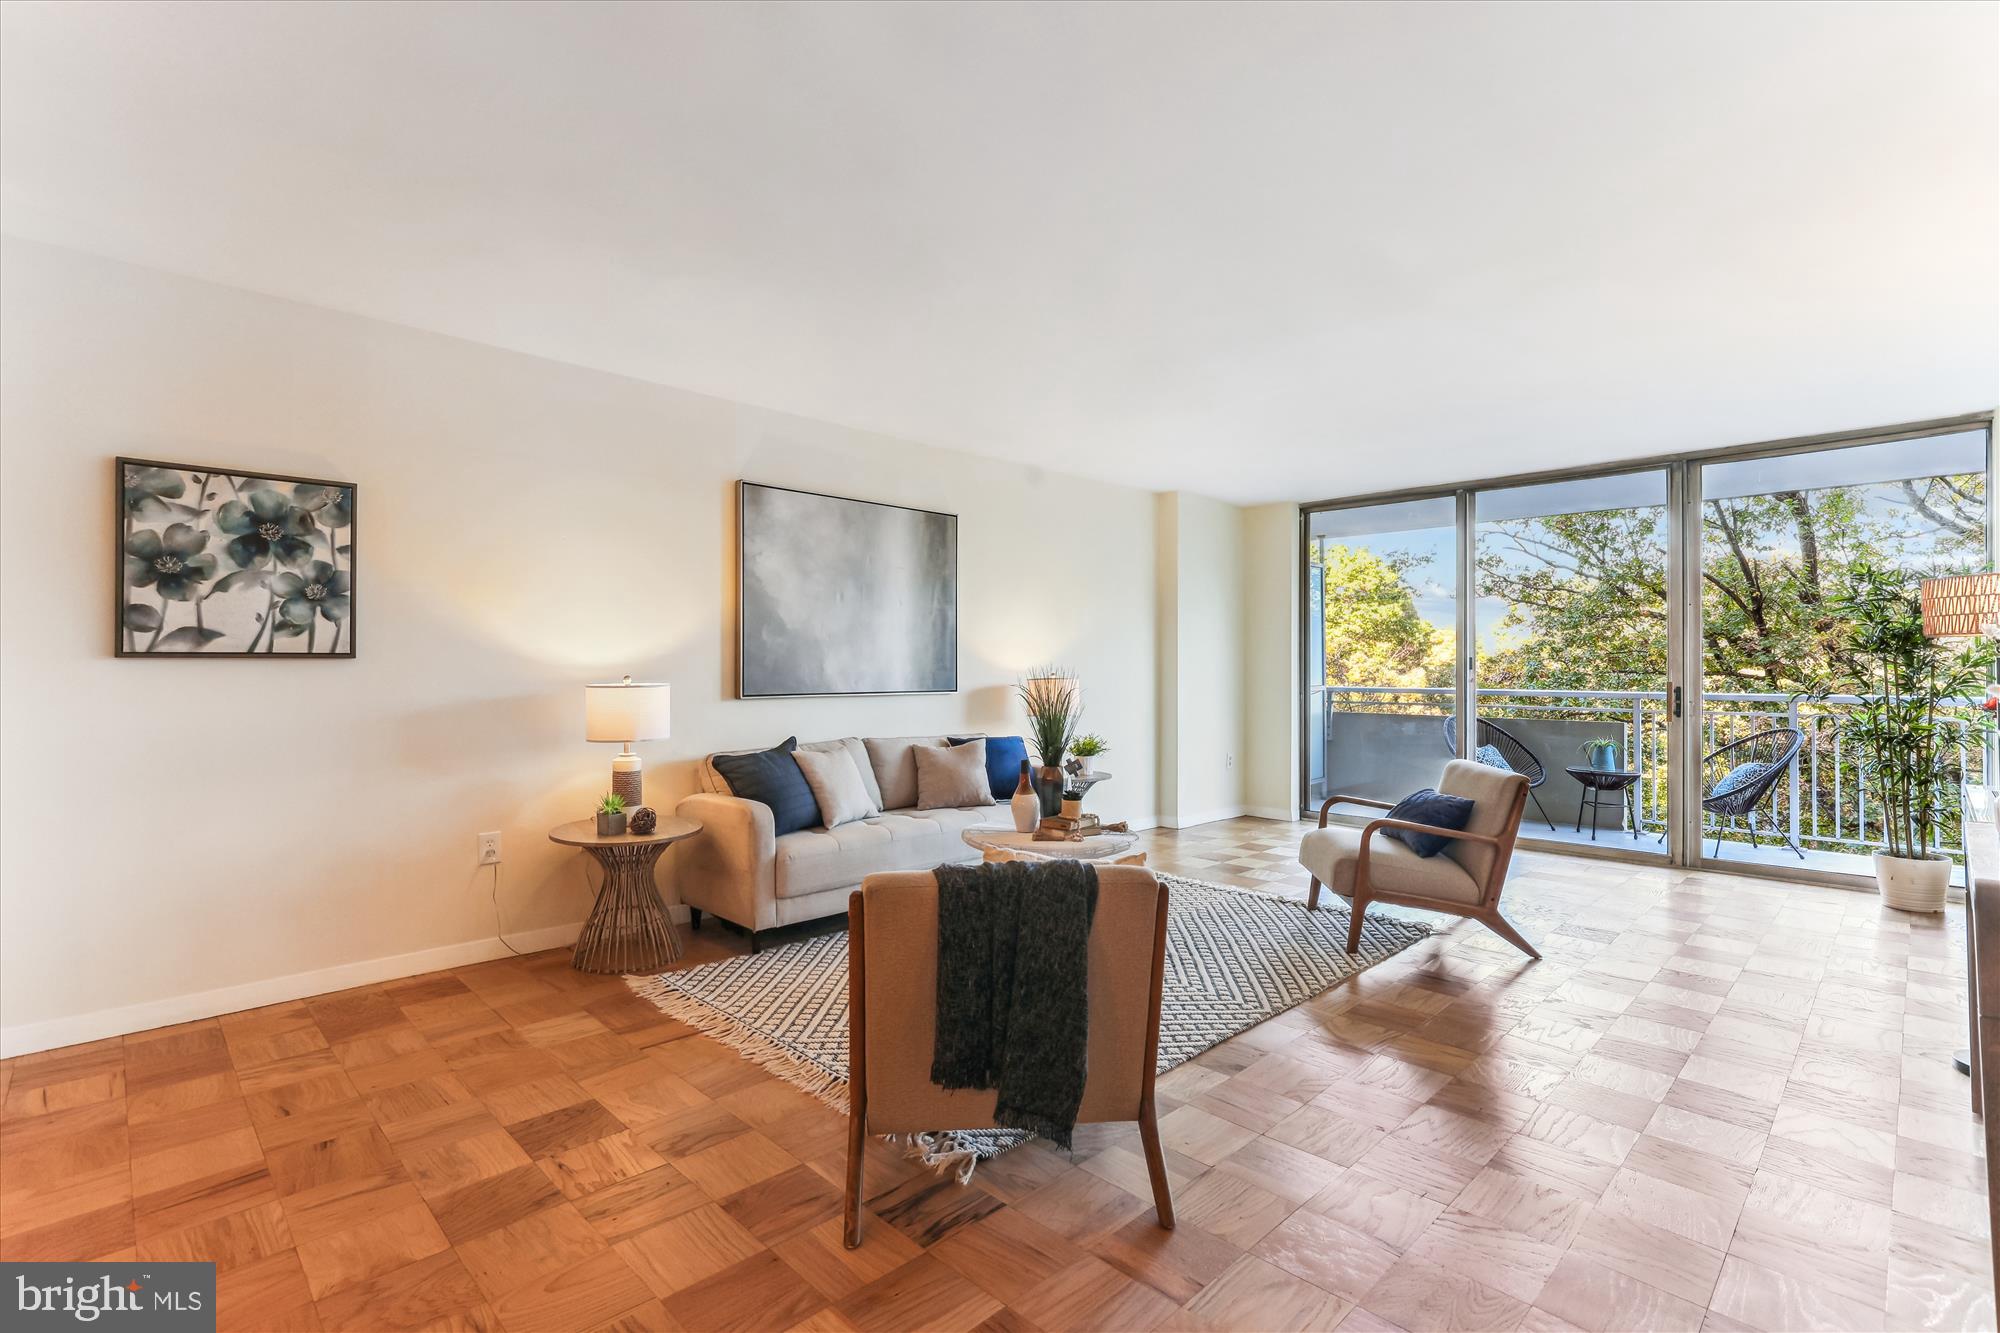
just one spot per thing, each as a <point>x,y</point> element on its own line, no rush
<point>233,565</point>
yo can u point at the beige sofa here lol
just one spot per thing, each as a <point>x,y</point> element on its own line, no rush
<point>738,869</point>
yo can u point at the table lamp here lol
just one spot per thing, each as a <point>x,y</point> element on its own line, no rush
<point>624,711</point>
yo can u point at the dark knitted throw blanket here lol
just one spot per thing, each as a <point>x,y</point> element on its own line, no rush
<point>1013,988</point>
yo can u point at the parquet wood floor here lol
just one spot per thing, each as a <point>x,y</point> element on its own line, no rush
<point>1718,1103</point>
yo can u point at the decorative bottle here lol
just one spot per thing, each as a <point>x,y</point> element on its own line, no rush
<point>1026,806</point>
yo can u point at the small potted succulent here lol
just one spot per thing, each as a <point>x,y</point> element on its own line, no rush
<point>1083,753</point>
<point>611,815</point>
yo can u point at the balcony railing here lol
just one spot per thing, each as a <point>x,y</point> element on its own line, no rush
<point>1825,801</point>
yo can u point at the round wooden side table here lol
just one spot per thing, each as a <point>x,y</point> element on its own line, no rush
<point>629,930</point>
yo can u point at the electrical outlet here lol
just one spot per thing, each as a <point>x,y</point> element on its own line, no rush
<point>1229,761</point>
<point>489,849</point>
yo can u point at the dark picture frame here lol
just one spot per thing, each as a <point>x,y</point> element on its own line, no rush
<point>843,596</point>
<point>212,557</point>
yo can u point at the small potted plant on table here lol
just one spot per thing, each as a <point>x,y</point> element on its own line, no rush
<point>611,815</point>
<point>1083,752</point>
<point>1912,721</point>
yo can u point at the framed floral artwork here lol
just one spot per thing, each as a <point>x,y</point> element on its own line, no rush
<point>226,563</point>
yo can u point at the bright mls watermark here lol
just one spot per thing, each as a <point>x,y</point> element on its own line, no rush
<point>145,1298</point>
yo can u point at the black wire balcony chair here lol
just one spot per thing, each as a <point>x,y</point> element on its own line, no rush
<point>1519,757</point>
<point>1755,764</point>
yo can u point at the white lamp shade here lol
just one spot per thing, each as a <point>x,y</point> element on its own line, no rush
<point>627,711</point>
<point>1048,689</point>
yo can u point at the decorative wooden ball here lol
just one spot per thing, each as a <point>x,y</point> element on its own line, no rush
<point>643,820</point>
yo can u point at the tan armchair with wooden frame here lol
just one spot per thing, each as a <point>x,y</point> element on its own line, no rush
<point>1464,879</point>
<point>892,1019</point>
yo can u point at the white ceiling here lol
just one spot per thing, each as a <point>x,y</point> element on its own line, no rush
<point>1258,252</point>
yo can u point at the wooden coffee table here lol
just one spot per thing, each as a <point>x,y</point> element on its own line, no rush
<point>629,930</point>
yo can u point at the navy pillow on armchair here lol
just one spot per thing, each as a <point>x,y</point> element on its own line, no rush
<point>1003,762</point>
<point>775,778</point>
<point>1433,808</point>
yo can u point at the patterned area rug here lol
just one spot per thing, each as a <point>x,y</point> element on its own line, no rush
<point>1234,959</point>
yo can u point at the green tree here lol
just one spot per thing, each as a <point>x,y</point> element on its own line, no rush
<point>1586,597</point>
<point>1374,632</point>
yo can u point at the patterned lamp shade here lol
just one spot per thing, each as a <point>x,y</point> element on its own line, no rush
<point>1963,607</point>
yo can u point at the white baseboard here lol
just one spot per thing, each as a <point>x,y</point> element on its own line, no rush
<point>1204,817</point>
<point>1277,812</point>
<point>26,1038</point>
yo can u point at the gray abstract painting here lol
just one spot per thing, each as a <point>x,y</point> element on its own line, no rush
<point>845,596</point>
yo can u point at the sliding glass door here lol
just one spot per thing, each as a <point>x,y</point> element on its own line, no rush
<point>1780,781</point>
<point>1571,664</point>
<point>1381,640</point>
<point>1655,647</point>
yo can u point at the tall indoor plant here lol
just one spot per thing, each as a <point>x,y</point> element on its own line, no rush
<point>1910,725</point>
<point>1054,704</point>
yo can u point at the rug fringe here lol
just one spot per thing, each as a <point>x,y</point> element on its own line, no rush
<point>938,1152</point>
<point>742,1038</point>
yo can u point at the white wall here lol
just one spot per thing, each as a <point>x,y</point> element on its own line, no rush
<point>186,837</point>
<point>1202,660</point>
<point>1271,661</point>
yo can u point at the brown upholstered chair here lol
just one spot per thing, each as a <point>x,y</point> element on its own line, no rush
<point>892,1019</point>
<point>1464,879</point>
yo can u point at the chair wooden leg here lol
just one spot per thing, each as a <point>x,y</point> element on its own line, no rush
<point>1504,928</point>
<point>1156,1166</point>
<point>857,1144</point>
<point>1312,895</point>
<point>1359,906</point>
<point>857,1064</point>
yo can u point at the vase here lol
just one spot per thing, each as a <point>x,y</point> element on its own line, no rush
<point>1082,765</point>
<point>1026,806</point>
<point>610,825</point>
<point>1049,787</point>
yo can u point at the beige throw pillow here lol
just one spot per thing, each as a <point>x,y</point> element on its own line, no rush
<point>952,776</point>
<point>836,785</point>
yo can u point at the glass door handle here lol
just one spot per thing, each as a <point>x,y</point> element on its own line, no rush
<point>1677,701</point>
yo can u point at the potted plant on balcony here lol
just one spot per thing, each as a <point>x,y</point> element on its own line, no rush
<point>1910,726</point>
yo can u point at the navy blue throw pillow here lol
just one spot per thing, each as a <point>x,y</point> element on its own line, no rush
<point>1003,762</point>
<point>775,778</point>
<point>1433,808</point>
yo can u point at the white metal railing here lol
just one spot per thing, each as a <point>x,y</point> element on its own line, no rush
<point>1824,801</point>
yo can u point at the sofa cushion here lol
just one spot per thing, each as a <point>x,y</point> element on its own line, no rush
<point>816,860</point>
<point>896,768</point>
<point>773,777</point>
<point>711,779</point>
<point>836,786</point>
<point>1004,756</point>
<point>952,776</point>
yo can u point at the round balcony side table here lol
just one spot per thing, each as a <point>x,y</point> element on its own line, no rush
<point>1597,784</point>
<point>628,931</point>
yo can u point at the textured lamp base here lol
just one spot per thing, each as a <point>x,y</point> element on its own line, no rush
<point>628,782</point>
